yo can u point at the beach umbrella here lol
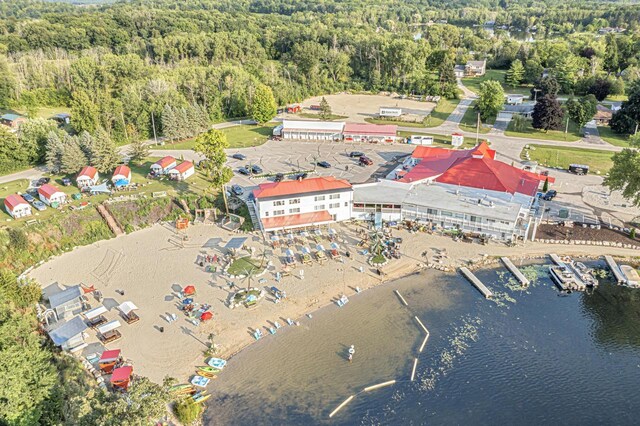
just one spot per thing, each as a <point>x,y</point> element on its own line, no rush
<point>304,234</point>
<point>290,236</point>
<point>189,290</point>
<point>332,231</point>
<point>335,246</point>
<point>306,250</point>
<point>187,301</point>
<point>274,238</point>
<point>289,252</point>
<point>318,232</point>
<point>206,316</point>
<point>320,247</point>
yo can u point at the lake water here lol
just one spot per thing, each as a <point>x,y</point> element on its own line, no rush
<point>533,357</point>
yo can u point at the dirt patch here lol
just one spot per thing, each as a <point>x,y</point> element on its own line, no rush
<point>138,214</point>
<point>559,232</point>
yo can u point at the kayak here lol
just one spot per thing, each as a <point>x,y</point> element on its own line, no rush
<point>209,369</point>
<point>217,363</point>
<point>179,389</point>
<point>200,398</point>
<point>207,375</point>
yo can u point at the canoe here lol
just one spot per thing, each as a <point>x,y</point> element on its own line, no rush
<point>201,398</point>
<point>184,388</point>
<point>218,363</point>
<point>209,369</point>
<point>207,375</point>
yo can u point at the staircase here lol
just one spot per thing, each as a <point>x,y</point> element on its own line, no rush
<point>254,216</point>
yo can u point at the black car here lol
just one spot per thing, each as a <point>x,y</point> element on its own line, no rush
<point>239,156</point>
<point>356,154</point>
<point>302,176</point>
<point>324,164</point>
<point>550,195</point>
<point>43,180</point>
<point>256,170</point>
<point>244,171</point>
<point>278,177</point>
<point>237,189</point>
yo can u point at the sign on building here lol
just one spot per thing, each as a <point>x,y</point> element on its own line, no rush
<point>420,140</point>
<point>457,140</point>
<point>390,112</point>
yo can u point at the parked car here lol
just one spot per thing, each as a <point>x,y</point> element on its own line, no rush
<point>244,171</point>
<point>43,180</point>
<point>28,198</point>
<point>237,189</point>
<point>279,177</point>
<point>550,195</point>
<point>256,170</point>
<point>239,156</point>
<point>356,154</point>
<point>324,164</point>
<point>66,181</point>
<point>39,205</point>
<point>302,175</point>
<point>365,161</point>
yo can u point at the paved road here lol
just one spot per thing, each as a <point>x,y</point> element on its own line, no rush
<point>31,174</point>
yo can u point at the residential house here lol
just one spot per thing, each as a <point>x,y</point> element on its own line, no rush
<point>66,301</point>
<point>163,165</point>
<point>459,71</point>
<point>475,68</point>
<point>603,115</point>
<point>49,195</point>
<point>302,203</point>
<point>121,173</point>
<point>88,176</point>
<point>16,206</point>
<point>182,171</point>
<point>515,99</point>
<point>12,120</point>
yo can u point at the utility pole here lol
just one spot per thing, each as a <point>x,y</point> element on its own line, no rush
<point>535,95</point>
<point>566,129</point>
<point>478,129</point>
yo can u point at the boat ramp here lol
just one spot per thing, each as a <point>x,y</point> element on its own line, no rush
<point>515,271</point>
<point>476,282</point>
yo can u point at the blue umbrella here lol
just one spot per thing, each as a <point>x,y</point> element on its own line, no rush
<point>187,301</point>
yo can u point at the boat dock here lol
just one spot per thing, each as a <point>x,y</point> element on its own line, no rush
<point>615,270</point>
<point>515,271</point>
<point>556,259</point>
<point>476,282</point>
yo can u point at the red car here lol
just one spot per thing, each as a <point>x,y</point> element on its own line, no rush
<point>365,161</point>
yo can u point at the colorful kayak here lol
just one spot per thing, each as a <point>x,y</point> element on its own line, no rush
<point>207,375</point>
<point>181,389</point>
<point>218,363</point>
<point>209,369</point>
<point>200,398</point>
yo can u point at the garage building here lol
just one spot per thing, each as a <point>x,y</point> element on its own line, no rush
<point>312,130</point>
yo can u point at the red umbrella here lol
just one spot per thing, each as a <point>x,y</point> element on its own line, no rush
<point>188,290</point>
<point>206,316</point>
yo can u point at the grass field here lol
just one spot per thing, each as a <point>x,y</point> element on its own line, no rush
<point>473,83</point>
<point>242,136</point>
<point>470,118</point>
<point>441,112</point>
<point>613,138</point>
<point>316,116</point>
<point>561,157</point>
<point>441,141</point>
<point>392,121</point>
<point>551,135</point>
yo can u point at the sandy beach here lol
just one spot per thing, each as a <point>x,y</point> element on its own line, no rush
<point>151,265</point>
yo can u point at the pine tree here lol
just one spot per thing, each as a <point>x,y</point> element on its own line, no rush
<point>201,118</point>
<point>73,159</point>
<point>515,74</point>
<point>54,151</point>
<point>105,156</point>
<point>86,142</point>
<point>263,105</point>
<point>138,149</point>
<point>184,126</point>
<point>170,128</point>
<point>611,59</point>
<point>325,110</point>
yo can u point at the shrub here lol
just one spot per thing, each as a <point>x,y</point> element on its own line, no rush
<point>187,412</point>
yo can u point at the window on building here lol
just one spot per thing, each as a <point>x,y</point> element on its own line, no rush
<point>266,214</point>
<point>334,205</point>
<point>334,196</point>
<point>278,212</point>
<point>296,210</point>
<point>346,204</point>
<point>278,203</point>
<point>294,201</point>
<point>319,207</point>
<point>432,211</point>
<point>319,198</point>
<point>446,213</point>
<point>504,222</point>
<point>474,218</point>
<point>358,205</point>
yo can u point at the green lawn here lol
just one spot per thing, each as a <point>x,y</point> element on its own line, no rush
<point>441,141</point>
<point>242,136</point>
<point>470,118</point>
<point>612,137</point>
<point>243,265</point>
<point>441,112</point>
<point>473,83</point>
<point>42,112</point>
<point>561,157</point>
<point>316,116</point>
<point>552,135</point>
<point>392,121</point>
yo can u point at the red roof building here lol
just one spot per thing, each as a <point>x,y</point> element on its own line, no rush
<point>88,171</point>
<point>88,176</point>
<point>370,131</point>
<point>163,165</point>
<point>182,170</point>
<point>17,206</point>
<point>50,194</point>
<point>298,187</point>
<point>121,172</point>
<point>475,168</point>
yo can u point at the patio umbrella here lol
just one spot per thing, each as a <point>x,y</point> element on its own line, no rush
<point>274,238</point>
<point>332,231</point>
<point>189,290</point>
<point>187,301</point>
<point>320,247</point>
<point>206,316</point>
<point>289,253</point>
<point>335,246</point>
<point>318,232</point>
<point>306,250</point>
<point>289,236</point>
<point>304,234</point>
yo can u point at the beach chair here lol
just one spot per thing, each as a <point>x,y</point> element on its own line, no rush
<point>320,255</point>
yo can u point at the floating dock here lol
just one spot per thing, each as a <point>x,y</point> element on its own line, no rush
<point>476,282</point>
<point>615,270</point>
<point>413,372</point>
<point>556,259</point>
<point>515,271</point>
<point>339,407</point>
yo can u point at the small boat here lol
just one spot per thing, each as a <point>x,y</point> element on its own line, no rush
<point>200,381</point>
<point>257,334</point>
<point>563,277</point>
<point>200,398</point>
<point>209,370</point>
<point>218,363</point>
<point>181,389</point>
<point>207,375</point>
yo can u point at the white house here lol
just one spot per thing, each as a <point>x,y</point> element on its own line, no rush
<point>515,99</point>
<point>50,194</point>
<point>121,172</point>
<point>88,176</point>
<point>16,206</point>
<point>313,130</point>
<point>390,112</point>
<point>303,203</point>
<point>163,165</point>
<point>182,171</point>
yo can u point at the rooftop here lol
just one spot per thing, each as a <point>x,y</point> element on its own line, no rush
<point>48,190</point>
<point>88,171</point>
<point>165,161</point>
<point>371,129</point>
<point>326,126</point>
<point>383,192</point>
<point>65,296</point>
<point>183,167</point>
<point>14,200</point>
<point>67,331</point>
<point>122,170</point>
<point>10,117</point>
<point>304,186</point>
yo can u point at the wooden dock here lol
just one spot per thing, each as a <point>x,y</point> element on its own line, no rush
<point>476,282</point>
<point>615,270</point>
<point>515,271</point>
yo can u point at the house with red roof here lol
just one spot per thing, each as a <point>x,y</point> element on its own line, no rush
<point>302,203</point>
<point>49,194</point>
<point>182,171</point>
<point>88,176</point>
<point>121,172</point>
<point>163,165</point>
<point>17,206</point>
<point>366,132</point>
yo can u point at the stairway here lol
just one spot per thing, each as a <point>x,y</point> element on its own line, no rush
<point>254,217</point>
